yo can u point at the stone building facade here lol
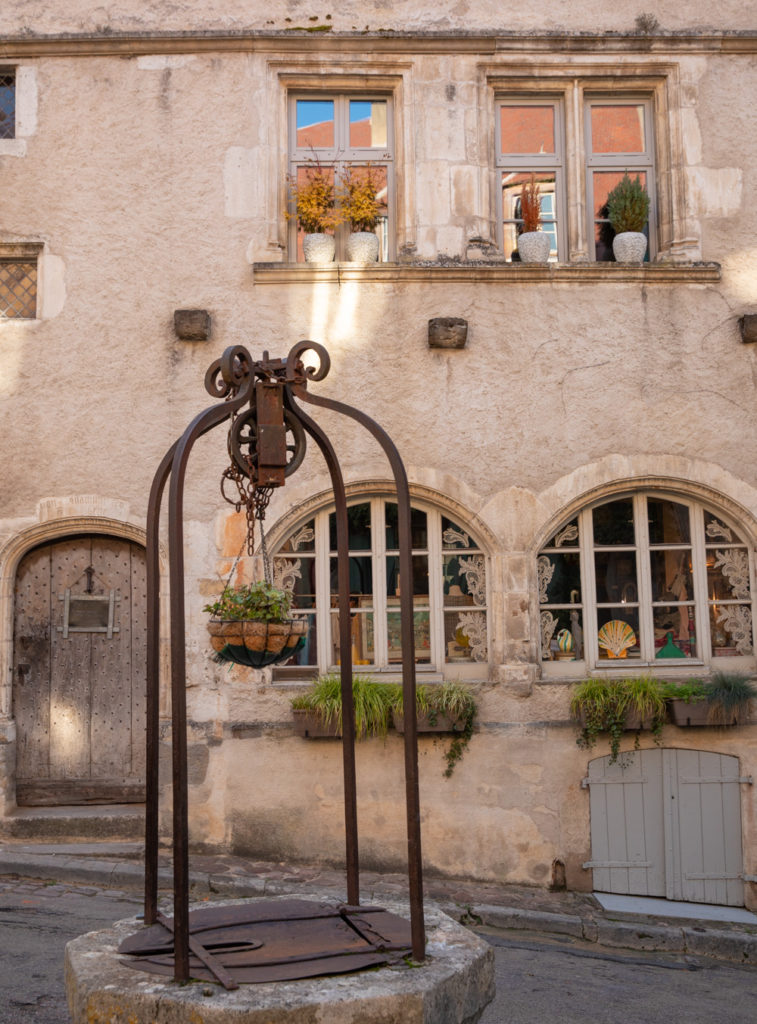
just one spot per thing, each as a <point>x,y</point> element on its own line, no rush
<point>584,459</point>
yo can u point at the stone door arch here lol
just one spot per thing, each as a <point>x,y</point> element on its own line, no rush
<point>79,668</point>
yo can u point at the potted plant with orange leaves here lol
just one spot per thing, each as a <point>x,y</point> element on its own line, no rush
<point>533,244</point>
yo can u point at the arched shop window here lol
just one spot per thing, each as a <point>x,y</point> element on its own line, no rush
<point>449,590</point>
<point>646,579</point>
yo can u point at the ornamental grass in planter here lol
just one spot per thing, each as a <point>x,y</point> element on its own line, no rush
<point>723,700</point>
<point>250,625</point>
<point>446,708</point>
<point>318,712</point>
<point>616,706</point>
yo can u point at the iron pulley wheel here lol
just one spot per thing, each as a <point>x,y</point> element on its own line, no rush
<point>243,442</point>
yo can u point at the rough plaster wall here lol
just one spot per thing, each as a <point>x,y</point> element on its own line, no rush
<point>147,205</point>
<point>374,15</point>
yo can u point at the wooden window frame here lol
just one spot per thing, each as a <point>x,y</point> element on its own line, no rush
<point>438,666</point>
<point>341,154</point>
<point>698,545</point>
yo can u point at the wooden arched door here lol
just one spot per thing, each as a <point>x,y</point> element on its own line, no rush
<point>79,660</point>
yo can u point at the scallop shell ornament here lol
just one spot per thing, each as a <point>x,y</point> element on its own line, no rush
<point>616,637</point>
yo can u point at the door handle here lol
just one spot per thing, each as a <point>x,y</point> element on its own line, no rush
<point>22,670</point>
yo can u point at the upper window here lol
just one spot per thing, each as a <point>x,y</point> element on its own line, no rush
<point>534,134</point>
<point>449,589</point>
<point>645,579</point>
<point>7,104</point>
<point>341,134</point>
<point>531,143</point>
<point>618,142</point>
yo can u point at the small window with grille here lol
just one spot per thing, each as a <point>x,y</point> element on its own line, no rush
<point>7,104</point>
<point>18,289</point>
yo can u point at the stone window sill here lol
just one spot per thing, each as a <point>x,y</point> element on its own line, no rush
<point>480,272</point>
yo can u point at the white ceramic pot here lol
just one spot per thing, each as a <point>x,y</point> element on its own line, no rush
<point>318,248</point>
<point>362,247</point>
<point>533,247</point>
<point>629,247</point>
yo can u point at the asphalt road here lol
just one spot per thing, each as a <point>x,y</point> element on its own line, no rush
<point>540,979</point>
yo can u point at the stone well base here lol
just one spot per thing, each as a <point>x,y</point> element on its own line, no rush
<point>453,986</point>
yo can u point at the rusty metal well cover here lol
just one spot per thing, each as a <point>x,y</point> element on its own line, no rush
<point>274,940</point>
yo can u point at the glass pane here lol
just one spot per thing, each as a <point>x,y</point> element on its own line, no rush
<point>527,129</point>
<point>298,576</point>
<point>613,523</point>
<point>303,176</point>
<point>563,637</point>
<point>303,539</point>
<point>671,575</point>
<point>618,635</point>
<point>728,574</point>
<point>674,632</point>
<point>420,577</point>
<point>465,636</point>
<point>512,184</point>
<point>422,635</point>
<point>367,124</point>
<point>566,536</point>
<point>604,183</point>
<point>418,527</point>
<point>464,580</point>
<point>561,583</point>
<point>361,580</point>
<point>315,124</point>
<point>617,129</point>
<point>7,106</point>
<point>358,528</point>
<point>668,522</point>
<point>731,630</point>
<point>308,655</point>
<point>454,536</point>
<point>616,577</point>
<point>362,634</point>
<point>717,532</point>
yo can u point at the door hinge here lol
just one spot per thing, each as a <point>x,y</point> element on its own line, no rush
<point>585,783</point>
<point>747,780</point>
<point>617,864</point>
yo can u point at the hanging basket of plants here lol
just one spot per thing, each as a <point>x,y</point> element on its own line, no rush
<point>250,626</point>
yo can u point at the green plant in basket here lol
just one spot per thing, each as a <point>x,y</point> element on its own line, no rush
<point>259,600</point>
<point>250,625</point>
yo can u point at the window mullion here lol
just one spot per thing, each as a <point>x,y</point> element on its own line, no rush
<point>323,590</point>
<point>378,554</point>
<point>589,594</point>
<point>435,588</point>
<point>643,570</point>
<point>699,577</point>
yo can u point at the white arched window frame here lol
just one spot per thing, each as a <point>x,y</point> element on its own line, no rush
<point>678,572</point>
<point>450,591</point>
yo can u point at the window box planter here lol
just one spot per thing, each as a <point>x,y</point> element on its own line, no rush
<point>428,722</point>
<point>688,713</point>
<point>311,726</point>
